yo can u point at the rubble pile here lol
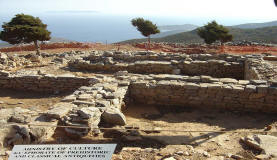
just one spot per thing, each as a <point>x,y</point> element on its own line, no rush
<point>11,62</point>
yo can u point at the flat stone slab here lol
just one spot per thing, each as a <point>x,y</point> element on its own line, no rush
<point>69,98</point>
<point>60,109</point>
<point>228,80</point>
<point>152,62</point>
<point>89,112</point>
<point>84,97</point>
<point>77,102</point>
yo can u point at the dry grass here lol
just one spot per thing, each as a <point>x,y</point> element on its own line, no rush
<point>157,47</point>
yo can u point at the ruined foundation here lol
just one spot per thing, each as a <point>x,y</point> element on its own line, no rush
<point>203,80</point>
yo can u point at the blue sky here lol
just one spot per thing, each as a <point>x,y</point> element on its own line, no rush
<point>222,10</point>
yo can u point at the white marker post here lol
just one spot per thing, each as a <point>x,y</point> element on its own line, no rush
<point>63,152</point>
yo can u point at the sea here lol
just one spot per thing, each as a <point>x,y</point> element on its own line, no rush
<point>98,27</point>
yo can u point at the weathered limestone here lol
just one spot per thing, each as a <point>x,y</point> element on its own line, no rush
<point>60,110</point>
<point>102,101</point>
<point>220,66</point>
<point>230,66</point>
<point>202,81</point>
<point>255,95</point>
<point>114,116</point>
<point>87,117</point>
<point>258,68</point>
<point>43,83</point>
<point>42,130</point>
<point>22,126</point>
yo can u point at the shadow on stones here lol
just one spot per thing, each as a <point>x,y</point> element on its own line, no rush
<point>30,94</point>
<point>117,137</point>
<point>109,137</point>
<point>227,119</point>
<point>85,71</point>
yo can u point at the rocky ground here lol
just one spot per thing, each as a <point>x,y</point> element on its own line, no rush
<point>152,132</point>
<point>13,98</point>
<point>179,144</point>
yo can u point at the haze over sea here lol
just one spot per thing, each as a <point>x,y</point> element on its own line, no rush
<point>90,26</point>
<point>109,20</point>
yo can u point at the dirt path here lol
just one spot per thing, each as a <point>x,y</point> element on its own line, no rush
<point>29,100</point>
<point>180,119</point>
<point>199,120</point>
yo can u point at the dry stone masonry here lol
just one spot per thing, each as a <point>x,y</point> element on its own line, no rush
<point>165,79</point>
<point>205,91</point>
<point>230,66</point>
<point>43,83</point>
<point>258,68</point>
<point>103,101</point>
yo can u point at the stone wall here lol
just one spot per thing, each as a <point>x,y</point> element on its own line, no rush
<point>101,102</point>
<point>258,68</point>
<point>43,83</point>
<point>226,93</point>
<point>214,68</point>
<point>85,107</point>
<point>162,56</point>
<point>224,65</point>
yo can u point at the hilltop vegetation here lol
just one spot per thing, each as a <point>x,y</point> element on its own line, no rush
<point>263,35</point>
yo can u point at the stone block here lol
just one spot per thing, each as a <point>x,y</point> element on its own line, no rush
<point>244,82</point>
<point>60,110</point>
<point>258,82</point>
<point>228,80</point>
<point>113,116</point>
<point>262,89</point>
<point>250,88</point>
<point>214,86</point>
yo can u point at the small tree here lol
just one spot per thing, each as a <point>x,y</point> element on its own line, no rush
<point>145,27</point>
<point>214,32</point>
<point>25,29</point>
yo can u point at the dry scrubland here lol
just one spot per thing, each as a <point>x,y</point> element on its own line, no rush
<point>157,47</point>
<point>173,102</point>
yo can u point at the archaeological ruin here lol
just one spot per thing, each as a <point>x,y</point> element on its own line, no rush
<point>222,81</point>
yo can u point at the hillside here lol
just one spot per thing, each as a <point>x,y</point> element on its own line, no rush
<point>168,33</point>
<point>58,39</point>
<point>190,27</point>
<point>266,35</point>
<point>256,25</point>
<point>187,27</point>
<point>174,29</point>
